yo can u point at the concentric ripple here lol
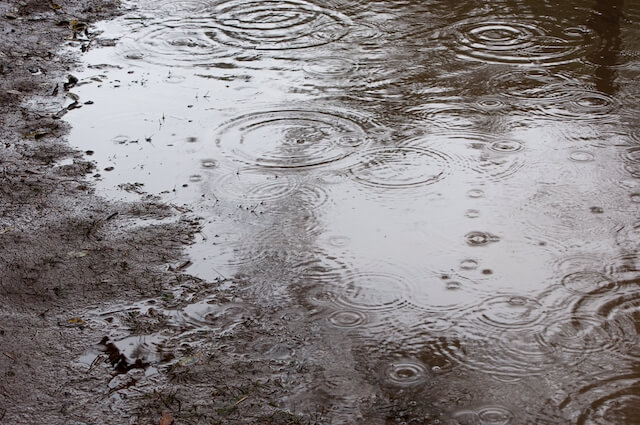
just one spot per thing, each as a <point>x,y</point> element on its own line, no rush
<point>509,312</point>
<point>277,24</point>
<point>581,104</point>
<point>405,373</point>
<point>495,415</point>
<point>347,318</point>
<point>255,185</point>
<point>290,138</point>
<point>373,291</point>
<point>580,335</point>
<point>621,407</point>
<point>330,67</point>
<point>587,282</point>
<point>608,401</point>
<point>506,146</point>
<point>631,160</point>
<point>182,42</point>
<point>394,168</point>
<point>176,7</point>
<point>492,166</point>
<point>511,42</point>
<point>532,84</point>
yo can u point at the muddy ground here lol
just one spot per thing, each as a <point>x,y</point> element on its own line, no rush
<point>66,251</point>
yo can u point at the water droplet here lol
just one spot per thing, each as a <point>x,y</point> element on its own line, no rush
<point>480,238</point>
<point>453,285</point>
<point>506,146</point>
<point>209,163</point>
<point>581,156</point>
<point>406,373</point>
<point>475,193</point>
<point>469,264</point>
<point>472,214</point>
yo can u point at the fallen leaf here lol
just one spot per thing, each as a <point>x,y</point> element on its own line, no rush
<point>166,419</point>
<point>36,134</point>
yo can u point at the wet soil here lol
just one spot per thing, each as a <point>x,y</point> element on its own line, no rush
<point>64,248</point>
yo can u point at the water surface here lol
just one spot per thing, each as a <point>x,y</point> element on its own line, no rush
<point>453,184</point>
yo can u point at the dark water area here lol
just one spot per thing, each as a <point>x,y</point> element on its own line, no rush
<point>452,186</point>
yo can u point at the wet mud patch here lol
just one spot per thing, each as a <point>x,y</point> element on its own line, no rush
<point>64,248</point>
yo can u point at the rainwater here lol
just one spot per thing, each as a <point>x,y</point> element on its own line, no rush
<point>454,184</point>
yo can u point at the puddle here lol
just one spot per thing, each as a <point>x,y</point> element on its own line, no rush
<point>399,180</point>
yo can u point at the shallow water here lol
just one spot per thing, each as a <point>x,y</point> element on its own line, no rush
<point>456,183</point>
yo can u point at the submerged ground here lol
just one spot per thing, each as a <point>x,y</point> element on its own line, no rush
<point>292,212</point>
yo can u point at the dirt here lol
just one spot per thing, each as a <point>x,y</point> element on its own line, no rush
<point>64,249</point>
<point>67,252</point>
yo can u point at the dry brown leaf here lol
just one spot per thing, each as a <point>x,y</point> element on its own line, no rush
<point>166,419</point>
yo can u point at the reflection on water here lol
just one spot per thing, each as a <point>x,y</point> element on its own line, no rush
<point>448,188</point>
